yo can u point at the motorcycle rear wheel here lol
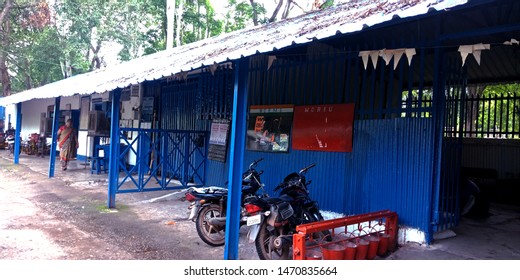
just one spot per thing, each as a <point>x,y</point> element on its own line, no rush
<point>264,244</point>
<point>212,235</point>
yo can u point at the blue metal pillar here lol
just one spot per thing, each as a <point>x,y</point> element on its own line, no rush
<point>238,133</point>
<point>113,166</point>
<point>17,141</point>
<point>55,124</point>
<point>438,115</point>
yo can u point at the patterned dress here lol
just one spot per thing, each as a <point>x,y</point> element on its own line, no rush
<point>68,143</point>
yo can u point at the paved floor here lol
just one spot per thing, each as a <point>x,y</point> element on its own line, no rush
<point>494,238</point>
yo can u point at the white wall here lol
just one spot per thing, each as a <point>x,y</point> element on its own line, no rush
<point>31,114</point>
<point>10,110</point>
<point>32,110</point>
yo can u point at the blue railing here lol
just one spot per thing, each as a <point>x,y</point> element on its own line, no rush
<point>153,159</point>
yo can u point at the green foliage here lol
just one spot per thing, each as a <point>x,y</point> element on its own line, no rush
<point>37,59</point>
<point>33,48</point>
<point>88,25</point>
<point>499,109</point>
<point>240,15</point>
<point>327,4</point>
<point>45,47</point>
<point>199,22</point>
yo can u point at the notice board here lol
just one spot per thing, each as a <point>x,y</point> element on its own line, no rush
<point>323,127</point>
<point>218,140</point>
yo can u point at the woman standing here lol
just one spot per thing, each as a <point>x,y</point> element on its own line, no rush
<point>68,143</point>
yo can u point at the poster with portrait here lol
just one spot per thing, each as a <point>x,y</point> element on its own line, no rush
<point>323,127</point>
<point>269,128</point>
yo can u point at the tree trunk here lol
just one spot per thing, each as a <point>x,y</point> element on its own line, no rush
<point>178,23</point>
<point>28,80</point>
<point>276,10</point>
<point>170,19</point>
<point>208,20</point>
<point>66,70</point>
<point>96,61</point>
<point>5,32</point>
<point>287,9</point>
<point>474,92</point>
<point>198,36</point>
<point>255,12</point>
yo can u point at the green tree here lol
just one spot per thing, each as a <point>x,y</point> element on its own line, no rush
<point>499,110</point>
<point>198,22</point>
<point>241,14</point>
<point>89,25</point>
<point>30,50</point>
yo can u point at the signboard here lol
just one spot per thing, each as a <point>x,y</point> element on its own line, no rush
<point>269,128</point>
<point>323,127</point>
<point>218,140</point>
<point>148,105</point>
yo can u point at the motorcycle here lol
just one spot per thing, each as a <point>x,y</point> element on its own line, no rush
<point>208,206</point>
<point>273,221</point>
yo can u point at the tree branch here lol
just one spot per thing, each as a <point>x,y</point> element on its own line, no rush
<point>5,10</point>
<point>255,12</point>
<point>276,10</point>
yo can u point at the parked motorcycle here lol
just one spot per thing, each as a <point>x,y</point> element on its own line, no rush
<point>208,206</point>
<point>273,221</point>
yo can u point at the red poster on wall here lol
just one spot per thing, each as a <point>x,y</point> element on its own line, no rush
<point>323,127</point>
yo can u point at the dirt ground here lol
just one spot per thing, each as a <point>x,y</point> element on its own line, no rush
<point>67,219</point>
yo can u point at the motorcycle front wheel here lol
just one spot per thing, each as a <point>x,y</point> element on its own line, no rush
<point>211,235</point>
<point>264,243</point>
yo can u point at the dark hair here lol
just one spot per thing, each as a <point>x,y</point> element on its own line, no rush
<point>69,120</point>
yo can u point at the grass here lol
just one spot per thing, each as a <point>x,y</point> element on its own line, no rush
<point>105,209</point>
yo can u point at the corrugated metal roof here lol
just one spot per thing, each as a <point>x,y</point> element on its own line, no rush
<point>340,19</point>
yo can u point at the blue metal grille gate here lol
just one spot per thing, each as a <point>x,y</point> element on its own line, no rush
<point>165,159</point>
<point>447,213</point>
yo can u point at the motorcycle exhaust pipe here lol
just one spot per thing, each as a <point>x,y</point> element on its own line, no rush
<point>283,241</point>
<point>219,221</point>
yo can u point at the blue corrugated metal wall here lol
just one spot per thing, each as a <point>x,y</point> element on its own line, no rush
<point>390,166</point>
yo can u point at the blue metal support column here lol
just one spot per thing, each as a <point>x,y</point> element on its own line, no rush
<point>438,115</point>
<point>17,141</point>
<point>238,133</point>
<point>113,170</point>
<point>55,124</point>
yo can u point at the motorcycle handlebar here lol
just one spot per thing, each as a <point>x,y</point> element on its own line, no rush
<point>254,163</point>
<point>307,168</point>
